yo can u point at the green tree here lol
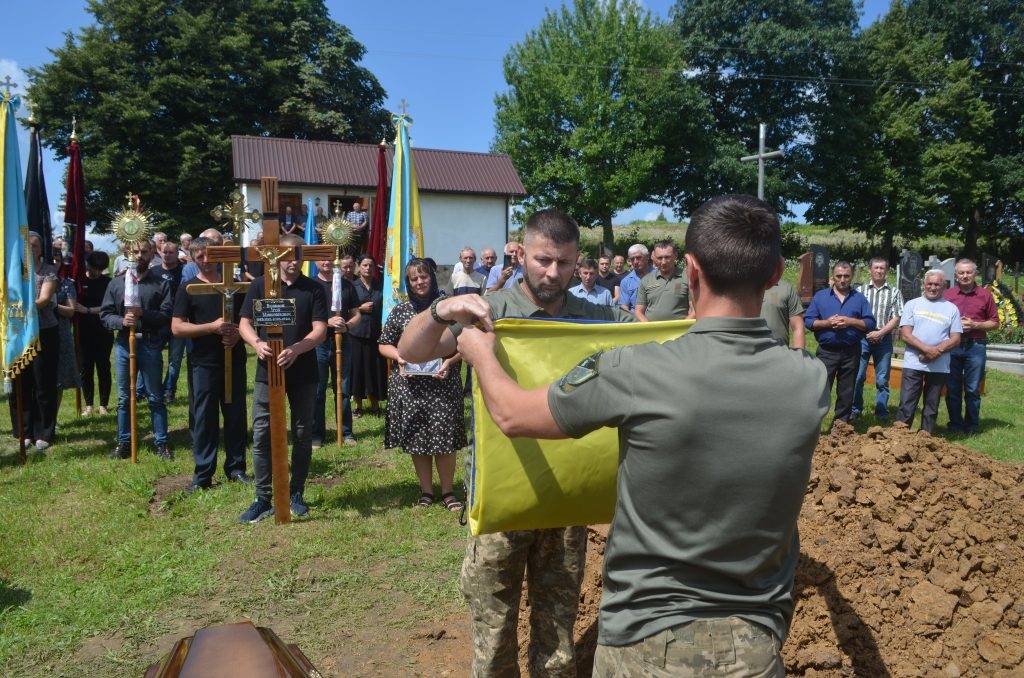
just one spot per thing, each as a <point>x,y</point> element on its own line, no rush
<point>598,109</point>
<point>759,61</point>
<point>159,86</point>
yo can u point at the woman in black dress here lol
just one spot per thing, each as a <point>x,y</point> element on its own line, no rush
<point>425,414</point>
<point>95,341</point>
<point>369,372</point>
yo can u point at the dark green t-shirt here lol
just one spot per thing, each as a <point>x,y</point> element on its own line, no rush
<point>665,297</point>
<point>512,302</point>
<point>781,302</point>
<point>716,433</point>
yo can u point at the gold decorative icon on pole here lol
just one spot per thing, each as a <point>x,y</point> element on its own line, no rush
<point>236,214</point>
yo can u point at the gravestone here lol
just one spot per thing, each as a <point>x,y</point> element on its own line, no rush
<point>909,281</point>
<point>948,267</point>
<point>987,269</point>
<point>805,286</point>
<point>820,267</point>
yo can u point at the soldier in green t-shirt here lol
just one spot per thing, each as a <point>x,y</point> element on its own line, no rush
<point>784,313</point>
<point>663,293</point>
<point>713,464</point>
<point>552,559</point>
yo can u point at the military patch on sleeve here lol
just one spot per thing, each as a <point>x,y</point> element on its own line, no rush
<point>581,374</point>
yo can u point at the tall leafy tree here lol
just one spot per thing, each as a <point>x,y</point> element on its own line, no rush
<point>598,109</point>
<point>759,61</point>
<point>158,87</point>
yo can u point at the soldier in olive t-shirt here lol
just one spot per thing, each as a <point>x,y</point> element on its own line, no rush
<point>696,425</point>
<point>664,297</point>
<point>781,304</point>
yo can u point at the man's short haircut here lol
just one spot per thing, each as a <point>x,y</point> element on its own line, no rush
<point>588,263</point>
<point>605,256</point>
<point>291,240</point>
<point>878,260</point>
<point>665,244</point>
<point>555,225</point>
<point>737,241</point>
<point>842,264</point>
<point>347,256</point>
<point>200,243</point>
<point>967,261</point>
<point>98,259</point>
<point>935,271</point>
<point>636,249</point>
<point>465,249</point>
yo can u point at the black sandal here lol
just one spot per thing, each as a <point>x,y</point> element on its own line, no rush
<point>451,502</point>
<point>426,499</point>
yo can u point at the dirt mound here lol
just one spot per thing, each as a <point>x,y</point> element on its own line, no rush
<point>911,562</point>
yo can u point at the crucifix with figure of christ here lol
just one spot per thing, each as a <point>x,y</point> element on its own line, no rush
<point>271,252</point>
<point>236,214</point>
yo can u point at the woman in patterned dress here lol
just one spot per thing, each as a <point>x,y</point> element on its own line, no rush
<point>425,412</point>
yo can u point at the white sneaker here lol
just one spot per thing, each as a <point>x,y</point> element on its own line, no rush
<point>101,410</point>
<point>87,411</point>
<point>41,445</point>
<point>28,442</point>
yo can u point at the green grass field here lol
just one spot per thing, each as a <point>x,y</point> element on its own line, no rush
<point>104,564</point>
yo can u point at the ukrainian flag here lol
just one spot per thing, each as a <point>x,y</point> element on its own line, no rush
<point>312,238</point>
<point>405,232</point>
<point>528,484</point>
<point>19,323</point>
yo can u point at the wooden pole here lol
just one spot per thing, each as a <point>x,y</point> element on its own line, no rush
<point>19,411</point>
<point>78,369</point>
<point>339,402</point>
<point>131,393</point>
<point>227,313</point>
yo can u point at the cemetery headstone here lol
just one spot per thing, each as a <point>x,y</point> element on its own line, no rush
<point>806,283</point>
<point>911,264</point>
<point>820,267</point>
<point>988,269</point>
<point>948,267</point>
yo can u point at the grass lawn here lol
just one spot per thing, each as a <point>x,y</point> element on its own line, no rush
<point>102,568</point>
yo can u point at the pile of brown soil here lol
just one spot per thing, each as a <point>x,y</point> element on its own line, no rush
<point>911,562</point>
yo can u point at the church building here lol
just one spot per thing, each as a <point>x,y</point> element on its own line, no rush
<point>465,198</point>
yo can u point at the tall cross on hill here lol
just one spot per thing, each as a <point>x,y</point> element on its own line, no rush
<point>760,157</point>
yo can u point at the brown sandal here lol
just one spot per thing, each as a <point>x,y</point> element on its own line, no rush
<point>451,502</point>
<point>426,499</point>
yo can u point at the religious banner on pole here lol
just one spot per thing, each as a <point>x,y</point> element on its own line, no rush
<point>379,220</point>
<point>405,232</point>
<point>37,206</point>
<point>74,209</point>
<point>311,237</point>
<point>19,323</point>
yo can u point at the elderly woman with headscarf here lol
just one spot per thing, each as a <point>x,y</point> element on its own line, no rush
<point>424,414</point>
<point>38,382</point>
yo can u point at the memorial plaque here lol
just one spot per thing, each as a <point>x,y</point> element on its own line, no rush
<point>820,267</point>
<point>273,312</point>
<point>806,282</point>
<point>909,281</point>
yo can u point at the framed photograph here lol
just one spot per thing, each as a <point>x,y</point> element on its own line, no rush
<point>427,369</point>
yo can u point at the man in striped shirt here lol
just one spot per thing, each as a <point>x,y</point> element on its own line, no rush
<point>886,303</point>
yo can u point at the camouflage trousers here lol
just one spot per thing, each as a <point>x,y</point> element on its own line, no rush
<point>725,646</point>
<point>492,582</point>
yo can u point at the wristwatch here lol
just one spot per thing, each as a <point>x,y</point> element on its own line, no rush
<point>437,318</point>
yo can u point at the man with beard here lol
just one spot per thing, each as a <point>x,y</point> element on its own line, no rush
<point>150,319</point>
<point>492,572</point>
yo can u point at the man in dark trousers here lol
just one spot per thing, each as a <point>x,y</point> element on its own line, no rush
<point>199,317</point>
<point>713,466</point>
<point>150,319</point>
<point>840,317</point>
<point>300,376</point>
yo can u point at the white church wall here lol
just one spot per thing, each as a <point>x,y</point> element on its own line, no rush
<point>450,221</point>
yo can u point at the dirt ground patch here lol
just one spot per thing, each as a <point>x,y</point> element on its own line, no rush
<point>164,488</point>
<point>911,563</point>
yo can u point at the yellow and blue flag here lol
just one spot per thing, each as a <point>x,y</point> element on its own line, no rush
<point>405,232</point>
<point>528,484</point>
<point>19,323</point>
<point>312,238</point>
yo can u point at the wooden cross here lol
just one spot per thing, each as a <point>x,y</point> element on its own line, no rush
<point>227,288</point>
<point>760,157</point>
<point>271,252</point>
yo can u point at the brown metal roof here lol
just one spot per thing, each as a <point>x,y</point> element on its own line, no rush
<point>332,163</point>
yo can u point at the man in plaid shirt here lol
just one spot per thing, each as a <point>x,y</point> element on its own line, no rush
<point>886,304</point>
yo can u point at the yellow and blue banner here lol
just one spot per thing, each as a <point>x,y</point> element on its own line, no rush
<point>528,484</point>
<point>405,231</point>
<point>19,323</point>
<point>312,237</point>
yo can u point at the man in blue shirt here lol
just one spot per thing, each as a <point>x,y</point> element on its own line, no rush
<point>588,288</point>
<point>840,317</point>
<point>639,258</point>
<point>931,328</point>
<point>504,277</point>
<point>487,259</point>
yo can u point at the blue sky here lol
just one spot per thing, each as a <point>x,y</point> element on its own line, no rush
<point>443,57</point>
